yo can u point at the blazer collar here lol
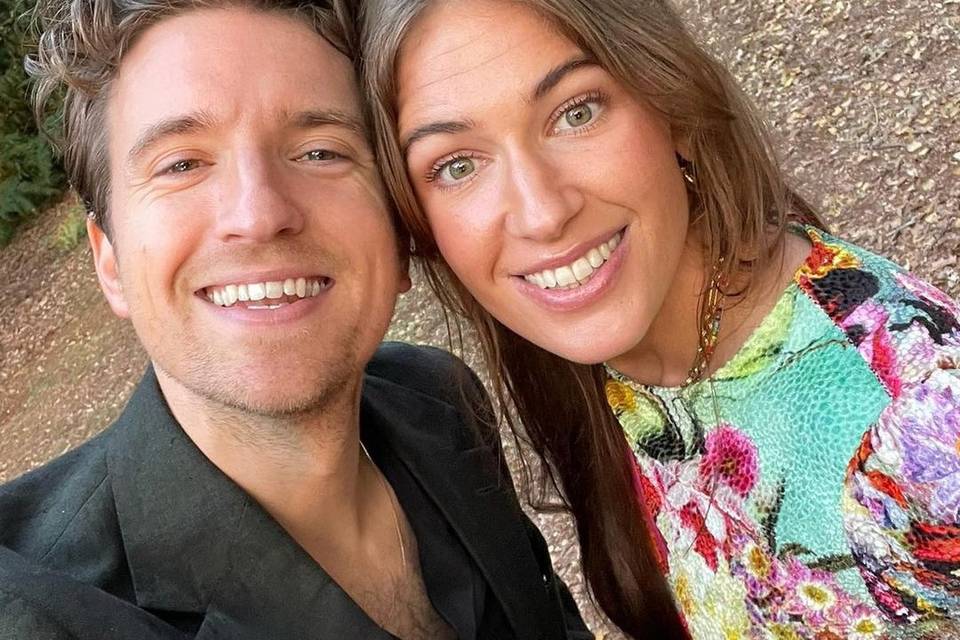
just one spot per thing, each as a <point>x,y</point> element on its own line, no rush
<point>196,542</point>
<point>463,478</point>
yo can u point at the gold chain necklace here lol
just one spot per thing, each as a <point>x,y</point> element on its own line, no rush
<point>393,505</point>
<point>709,325</point>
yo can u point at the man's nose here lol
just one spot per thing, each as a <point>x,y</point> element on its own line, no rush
<point>543,195</point>
<point>260,203</point>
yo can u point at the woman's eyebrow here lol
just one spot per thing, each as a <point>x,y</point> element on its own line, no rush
<point>449,126</point>
<point>555,75</point>
<point>548,82</point>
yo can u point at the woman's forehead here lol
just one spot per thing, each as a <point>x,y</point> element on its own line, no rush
<point>456,50</point>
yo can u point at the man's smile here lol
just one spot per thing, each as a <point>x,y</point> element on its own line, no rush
<point>267,294</point>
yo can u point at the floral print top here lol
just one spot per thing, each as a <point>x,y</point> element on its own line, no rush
<point>810,488</point>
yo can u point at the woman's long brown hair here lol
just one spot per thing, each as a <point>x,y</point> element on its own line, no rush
<point>739,198</point>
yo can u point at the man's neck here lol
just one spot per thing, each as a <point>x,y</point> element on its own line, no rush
<point>303,468</point>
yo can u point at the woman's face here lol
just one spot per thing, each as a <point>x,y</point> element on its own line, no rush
<point>553,193</point>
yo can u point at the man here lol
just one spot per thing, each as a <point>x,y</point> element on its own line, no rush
<point>240,225</point>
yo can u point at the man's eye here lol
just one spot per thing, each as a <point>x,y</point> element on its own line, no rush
<point>182,166</point>
<point>319,155</point>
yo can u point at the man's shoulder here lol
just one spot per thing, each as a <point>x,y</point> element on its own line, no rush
<point>431,375</point>
<point>427,370</point>
<point>37,508</point>
<point>42,604</point>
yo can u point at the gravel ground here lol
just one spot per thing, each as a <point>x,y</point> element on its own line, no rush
<point>864,98</point>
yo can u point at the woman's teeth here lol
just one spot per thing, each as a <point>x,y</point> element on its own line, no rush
<point>282,291</point>
<point>577,272</point>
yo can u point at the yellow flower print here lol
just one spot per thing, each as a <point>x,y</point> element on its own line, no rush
<point>824,258</point>
<point>619,396</point>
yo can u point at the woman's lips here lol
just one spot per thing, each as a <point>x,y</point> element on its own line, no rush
<point>570,298</point>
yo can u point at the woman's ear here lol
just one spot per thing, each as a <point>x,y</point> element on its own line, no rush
<point>681,144</point>
<point>105,262</point>
<point>405,283</point>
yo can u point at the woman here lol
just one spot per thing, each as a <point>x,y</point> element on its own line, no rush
<point>753,422</point>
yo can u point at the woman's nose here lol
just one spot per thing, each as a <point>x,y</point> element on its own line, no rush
<point>544,196</point>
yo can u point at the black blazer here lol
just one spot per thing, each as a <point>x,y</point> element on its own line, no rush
<point>135,534</point>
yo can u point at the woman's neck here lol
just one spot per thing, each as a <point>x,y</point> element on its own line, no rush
<point>669,348</point>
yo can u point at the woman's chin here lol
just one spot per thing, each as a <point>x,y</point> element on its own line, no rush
<point>588,352</point>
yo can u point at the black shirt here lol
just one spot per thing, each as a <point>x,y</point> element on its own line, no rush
<point>135,534</point>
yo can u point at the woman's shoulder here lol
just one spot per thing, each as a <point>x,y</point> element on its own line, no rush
<point>841,276</point>
<point>904,327</point>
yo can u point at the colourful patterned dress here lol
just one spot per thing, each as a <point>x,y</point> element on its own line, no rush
<point>810,488</point>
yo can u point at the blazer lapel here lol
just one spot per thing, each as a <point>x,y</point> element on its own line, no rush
<point>467,486</point>
<point>274,589</point>
<point>197,543</point>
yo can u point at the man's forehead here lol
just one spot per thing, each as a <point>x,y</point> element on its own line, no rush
<point>216,61</point>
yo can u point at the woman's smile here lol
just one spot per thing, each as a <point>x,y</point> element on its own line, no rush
<point>577,284</point>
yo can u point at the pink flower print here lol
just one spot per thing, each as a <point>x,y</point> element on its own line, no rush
<point>689,517</point>
<point>704,543</point>
<point>918,356</point>
<point>811,594</point>
<point>858,621</point>
<point>759,569</point>
<point>883,361</point>
<point>866,318</point>
<point>931,309</point>
<point>926,291</point>
<point>867,328</point>
<point>929,417</point>
<point>866,624</point>
<point>730,460</point>
<point>650,502</point>
<point>888,599</point>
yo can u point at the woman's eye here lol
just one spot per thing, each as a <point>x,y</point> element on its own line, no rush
<point>454,170</point>
<point>579,115</point>
<point>459,168</point>
<point>449,172</point>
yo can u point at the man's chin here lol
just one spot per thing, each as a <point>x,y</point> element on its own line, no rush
<point>294,391</point>
<point>279,406</point>
<point>275,397</point>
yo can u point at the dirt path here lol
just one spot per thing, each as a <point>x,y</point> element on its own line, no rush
<point>865,100</point>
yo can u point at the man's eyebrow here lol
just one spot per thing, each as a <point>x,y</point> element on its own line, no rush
<point>315,118</point>
<point>179,125</point>
<point>555,75</point>
<point>200,120</point>
<point>549,81</point>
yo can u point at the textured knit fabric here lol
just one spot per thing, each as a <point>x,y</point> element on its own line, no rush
<point>810,488</point>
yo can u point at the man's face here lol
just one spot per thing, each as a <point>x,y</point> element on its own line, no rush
<point>240,169</point>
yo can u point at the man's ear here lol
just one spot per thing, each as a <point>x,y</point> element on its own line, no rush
<point>105,261</point>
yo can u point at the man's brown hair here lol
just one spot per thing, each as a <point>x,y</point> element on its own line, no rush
<point>80,46</point>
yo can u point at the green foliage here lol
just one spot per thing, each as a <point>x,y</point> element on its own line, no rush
<point>30,176</point>
<point>72,229</point>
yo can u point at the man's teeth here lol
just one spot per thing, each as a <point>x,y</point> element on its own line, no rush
<point>577,272</point>
<point>230,294</point>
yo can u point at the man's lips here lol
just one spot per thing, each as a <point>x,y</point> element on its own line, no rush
<point>267,293</point>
